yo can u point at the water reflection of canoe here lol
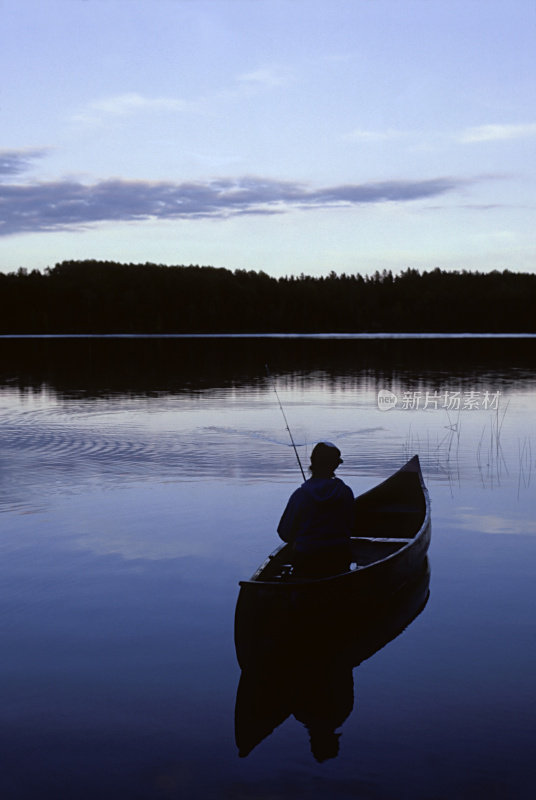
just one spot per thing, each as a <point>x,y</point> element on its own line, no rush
<point>309,674</point>
<point>392,527</point>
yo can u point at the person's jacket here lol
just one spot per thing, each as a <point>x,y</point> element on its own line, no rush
<point>319,515</point>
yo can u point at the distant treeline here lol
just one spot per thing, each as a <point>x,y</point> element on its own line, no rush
<point>107,297</point>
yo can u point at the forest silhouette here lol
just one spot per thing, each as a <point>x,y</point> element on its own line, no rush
<point>77,297</point>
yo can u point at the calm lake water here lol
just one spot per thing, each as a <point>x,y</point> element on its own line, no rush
<point>141,479</point>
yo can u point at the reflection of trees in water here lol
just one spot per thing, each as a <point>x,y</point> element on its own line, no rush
<point>100,366</point>
<point>306,669</point>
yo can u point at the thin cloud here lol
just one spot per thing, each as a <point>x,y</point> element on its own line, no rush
<point>128,104</point>
<point>267,77</point>
<point>69,204</point>
<point>492,133</point>
<point>125,105</point>
<point>14,162</point>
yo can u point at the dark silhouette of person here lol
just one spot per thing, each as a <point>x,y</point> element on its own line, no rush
<point>319,517</point>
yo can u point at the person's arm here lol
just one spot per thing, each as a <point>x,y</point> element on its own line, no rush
<point>349,507</point>
<point>287,524</point>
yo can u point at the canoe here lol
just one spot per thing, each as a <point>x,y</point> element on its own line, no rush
<point>392,536</point>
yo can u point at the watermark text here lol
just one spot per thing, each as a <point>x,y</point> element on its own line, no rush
<point>448,400</point>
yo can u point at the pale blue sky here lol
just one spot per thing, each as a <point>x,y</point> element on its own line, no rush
<point>284,135</point>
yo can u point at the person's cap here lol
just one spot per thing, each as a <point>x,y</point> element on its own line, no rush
<point>326,453</point>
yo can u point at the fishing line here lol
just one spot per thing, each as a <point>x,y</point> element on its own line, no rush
<point>286,421</point>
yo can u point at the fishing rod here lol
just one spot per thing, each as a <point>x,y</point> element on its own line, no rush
<point>286,420</point>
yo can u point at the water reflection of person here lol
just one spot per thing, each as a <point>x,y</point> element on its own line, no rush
<point>316,687</point>
<point>319,516</point>
<point>324,698</point>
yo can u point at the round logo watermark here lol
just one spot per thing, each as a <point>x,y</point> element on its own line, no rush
<point>386,400</point>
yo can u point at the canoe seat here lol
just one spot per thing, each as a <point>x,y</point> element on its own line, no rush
<point>393,539</point>
<point>369,549</point>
